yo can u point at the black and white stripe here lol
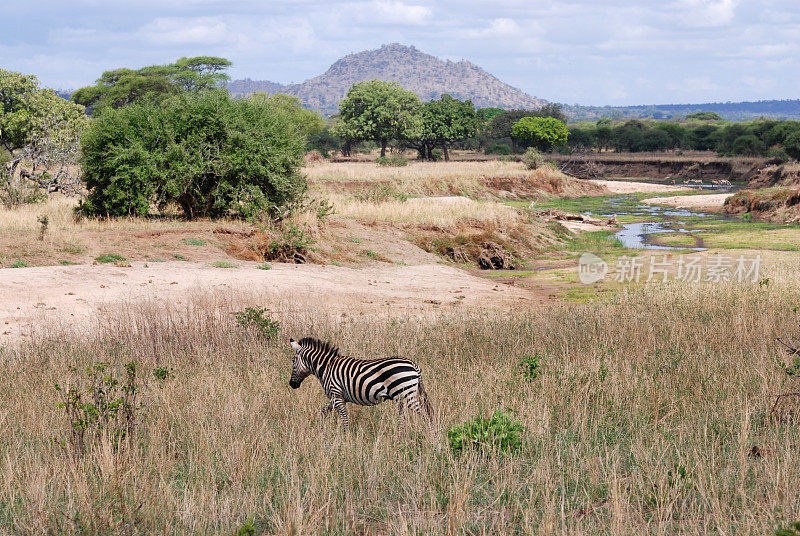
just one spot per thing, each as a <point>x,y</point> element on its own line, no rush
<point>363,382</point>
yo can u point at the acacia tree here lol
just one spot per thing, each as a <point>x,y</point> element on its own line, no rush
<point>120,87</point>
<point>379,111</point>
<point>444,121</point>
<point>307,122</point>
<point>543,132</point>
<point>41,132</point>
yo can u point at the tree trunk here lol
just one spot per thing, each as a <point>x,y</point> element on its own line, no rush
<point>446,154</point>
<point>383,147</point>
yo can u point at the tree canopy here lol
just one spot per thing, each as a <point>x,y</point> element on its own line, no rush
<point>704,116</point>
<point>543,132</point>
<point>307,122</point>
<point>379,111</point>
<point>446,120</point>
<point>27,111</point>
<point>205,152</point>
<point>120,87</point>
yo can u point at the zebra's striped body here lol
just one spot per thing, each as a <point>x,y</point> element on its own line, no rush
<point>363,382</point>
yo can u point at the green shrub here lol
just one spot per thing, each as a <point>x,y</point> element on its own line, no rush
<point>500,433</point>
<point>533,159</point>
<point>107,407</point>
<point>792,529</point>
<point>206,153</point>
<point>498,148</point>
<point>162,373</point>
<point>749,145</point>
<point>253,318</point>
<point>194,242</point>
<point>290,247</point>
<point>224,264</point>
<point>531,366</point>
<point>109,257</point>
<point>436,154</point>
<point>392,161</point>
<point>265,266</point>
<point>778,155</point>
<point>380,194</point>
<point>19,264</point>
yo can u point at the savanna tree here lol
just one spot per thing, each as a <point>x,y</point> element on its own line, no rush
<point>120,87</point>
<point>205,152</point>
<point>379,111</point>
<point>307,122</point>
<point>41,132</point>
<point>444,121</point>
<point>544,133</point>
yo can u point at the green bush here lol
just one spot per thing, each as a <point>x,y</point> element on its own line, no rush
<point>532,159</point>
<point>749,145</point>
<point>531,366</point>
<point>109,257</point>
<point>500,433</point>
<point>498,148</point>
<point>791,530</point>
<point>392,161</point>
<point>107,407</point>
<point>253,318</point>
<point>206,153</point>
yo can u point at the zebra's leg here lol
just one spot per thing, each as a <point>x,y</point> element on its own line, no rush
<point>338,405</point>
<point>326,409</point>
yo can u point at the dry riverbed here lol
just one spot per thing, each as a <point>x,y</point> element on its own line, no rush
<point>709,202</point>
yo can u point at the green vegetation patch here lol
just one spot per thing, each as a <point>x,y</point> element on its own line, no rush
<point>109,257</point>
<point>224,264</point>
<point>500,433</point>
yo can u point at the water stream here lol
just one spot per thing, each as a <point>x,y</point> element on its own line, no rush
<point>636,235</point>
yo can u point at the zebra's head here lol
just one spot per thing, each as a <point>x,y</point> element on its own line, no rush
<point>300,365</point>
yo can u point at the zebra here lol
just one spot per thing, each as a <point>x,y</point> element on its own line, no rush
<point>363,382</point>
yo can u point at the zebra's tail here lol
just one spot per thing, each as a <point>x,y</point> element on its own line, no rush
<point>423,398</point>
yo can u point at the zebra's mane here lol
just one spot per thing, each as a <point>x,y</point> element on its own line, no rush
<point>316,344</point>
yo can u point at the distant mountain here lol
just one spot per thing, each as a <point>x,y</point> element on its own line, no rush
<point>247,86</point>
<point>732,111</point>
<point>425,75</point>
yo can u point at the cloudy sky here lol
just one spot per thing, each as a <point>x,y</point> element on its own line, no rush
<point>574,51</point>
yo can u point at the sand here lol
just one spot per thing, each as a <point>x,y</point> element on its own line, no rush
<point>77,295</point>
<point>633,187</point>
<point>711,202</point>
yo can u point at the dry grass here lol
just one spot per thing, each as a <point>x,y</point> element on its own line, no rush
<point>439,211</point>
<point>640,422</point>
<point>451,172</point>
<point>491,179</point>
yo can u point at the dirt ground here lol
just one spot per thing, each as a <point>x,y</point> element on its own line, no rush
<point>77,295</point>
<point>632,187</point>
<point>711,202</point>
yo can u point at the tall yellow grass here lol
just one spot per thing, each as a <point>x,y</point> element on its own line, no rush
<point>640,422</point>
<point>440,211</point>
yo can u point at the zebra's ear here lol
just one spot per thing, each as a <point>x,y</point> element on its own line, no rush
<point>294,344</point>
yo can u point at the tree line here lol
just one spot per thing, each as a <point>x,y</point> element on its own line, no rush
<point>702,131</point>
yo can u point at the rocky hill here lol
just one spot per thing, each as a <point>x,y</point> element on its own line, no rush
<point>425,75</point>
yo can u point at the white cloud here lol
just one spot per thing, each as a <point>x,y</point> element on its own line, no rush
<point>185,31</point>
<point>499,28</point>
<point>399,12</point>
<point>707,13</point>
